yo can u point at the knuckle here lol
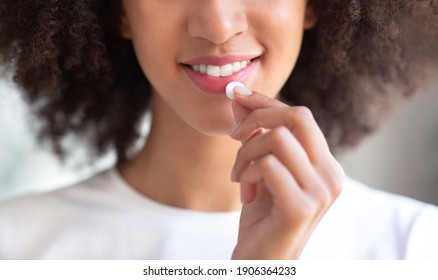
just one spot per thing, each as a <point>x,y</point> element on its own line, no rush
<point>332,176</point>
<point>336,185</point>
<point>279,135</point>
<point>268,162</point>
<point>323,197</point>
<point>335,179</point>
<point>302,112</point>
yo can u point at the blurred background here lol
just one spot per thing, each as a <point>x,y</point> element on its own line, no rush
<point>27,167</point>
<point>402,158</point>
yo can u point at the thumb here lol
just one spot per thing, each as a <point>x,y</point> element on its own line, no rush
<point>240,112</point>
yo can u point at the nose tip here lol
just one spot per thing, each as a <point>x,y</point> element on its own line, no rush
<point>217,21</point>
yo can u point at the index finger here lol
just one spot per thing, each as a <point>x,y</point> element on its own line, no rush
<point>254,100</point>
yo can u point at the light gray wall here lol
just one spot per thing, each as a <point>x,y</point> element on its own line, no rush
<point>403,156</point>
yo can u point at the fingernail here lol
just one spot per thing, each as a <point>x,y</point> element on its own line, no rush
<point>242,91</point>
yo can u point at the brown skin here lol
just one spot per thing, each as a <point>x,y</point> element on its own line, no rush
<point>84,76</point>
<point>287,174</point>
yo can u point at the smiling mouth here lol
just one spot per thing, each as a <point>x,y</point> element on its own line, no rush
<point>220,71</point>
<point>212,74</point>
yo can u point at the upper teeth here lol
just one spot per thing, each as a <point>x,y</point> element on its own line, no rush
<point>220,71</point>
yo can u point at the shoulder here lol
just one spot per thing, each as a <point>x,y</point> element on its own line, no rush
<point>380,205</point>
<point>86,190</point>
<point>387,226</point>
<point>366,199</point>
<point>41,216</point>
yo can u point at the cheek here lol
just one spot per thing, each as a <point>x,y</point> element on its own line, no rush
<point>155,36</point>
<point>156,55</point>
<point>287,51</point>
<point>281,35</point>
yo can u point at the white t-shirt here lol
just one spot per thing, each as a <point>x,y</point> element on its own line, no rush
<point>104,218</point>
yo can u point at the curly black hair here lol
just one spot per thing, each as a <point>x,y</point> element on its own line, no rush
<point>82,78</point>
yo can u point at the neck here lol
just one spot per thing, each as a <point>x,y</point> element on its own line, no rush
<point>181,167</point>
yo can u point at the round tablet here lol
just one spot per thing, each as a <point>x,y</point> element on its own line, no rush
<point>229,90</point>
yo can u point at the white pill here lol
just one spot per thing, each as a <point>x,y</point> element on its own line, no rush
<point>229,90</point>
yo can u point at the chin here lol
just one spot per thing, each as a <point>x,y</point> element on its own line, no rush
<point>216,131</point>
<point>217,128</point>
<point>213,121</point>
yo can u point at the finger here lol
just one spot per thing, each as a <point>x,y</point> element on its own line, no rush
<point>258,100</point>
<point>299,120</point>
<point>281,185</point>
<point>255,100</point>
<point>240,112</point>
<point>283,145</point>
<point>333,174</point>
<point>247,193</point>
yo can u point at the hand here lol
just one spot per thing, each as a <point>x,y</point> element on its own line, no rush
<point>288,177</point>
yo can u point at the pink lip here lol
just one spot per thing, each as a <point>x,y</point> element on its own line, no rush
<point>217,85</point>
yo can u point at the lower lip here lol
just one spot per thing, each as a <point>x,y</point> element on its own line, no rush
<point>217,85</point>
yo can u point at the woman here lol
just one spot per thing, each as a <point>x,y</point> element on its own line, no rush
<point>93,68</point>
